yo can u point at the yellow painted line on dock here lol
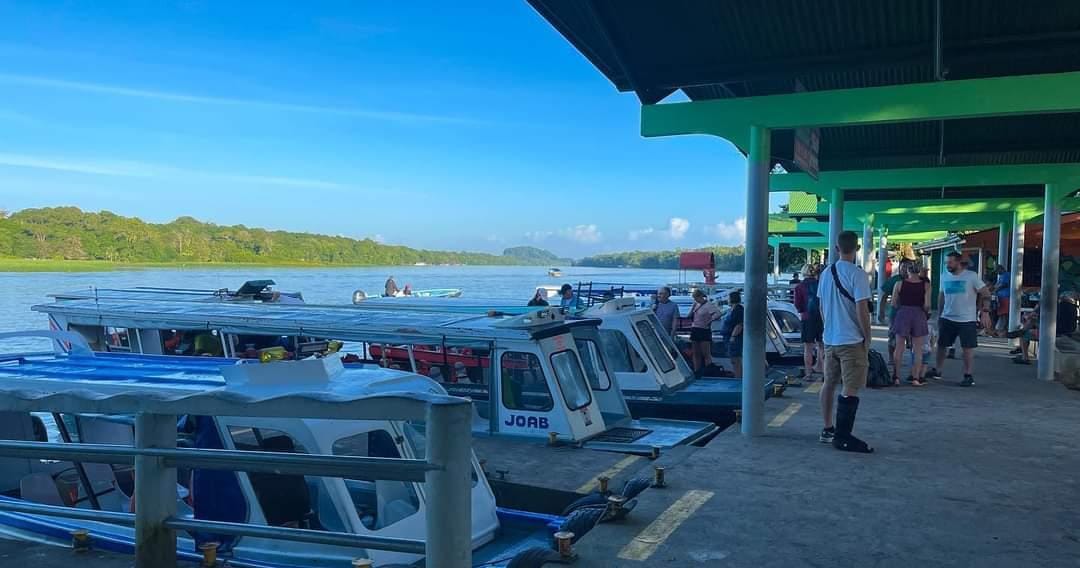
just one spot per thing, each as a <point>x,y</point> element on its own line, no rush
<point>609,473</point>
<point>648,540</point>
<point>785,415</point>
<point>814,388</point>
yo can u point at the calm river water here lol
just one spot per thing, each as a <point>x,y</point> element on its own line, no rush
<point>19,291</point>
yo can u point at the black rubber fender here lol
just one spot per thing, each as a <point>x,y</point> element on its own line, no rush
<point>535,557</point>
<point>635,486</point>
<point>583,520</point>
<point>590,500</point>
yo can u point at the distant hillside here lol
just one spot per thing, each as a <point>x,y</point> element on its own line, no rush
<point>72,234</point>
<point>727,259</point>
<point>534,256</point>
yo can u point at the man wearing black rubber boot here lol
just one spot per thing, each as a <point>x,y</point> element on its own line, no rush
<point>844,291</point>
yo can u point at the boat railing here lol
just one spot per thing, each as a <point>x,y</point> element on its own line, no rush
<point>445,471</point>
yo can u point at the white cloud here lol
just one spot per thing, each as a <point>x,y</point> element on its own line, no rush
<point>128,168</point>
<point>676,230</point>
<point>729,233</point>
<point>377,237</point>
<point>168,96</point>
<point>581,233</point>
<point>677,227</point>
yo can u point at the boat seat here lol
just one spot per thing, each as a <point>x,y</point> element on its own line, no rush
<point>40,488</point>
<point>285,499</point>
<point>396,501</point>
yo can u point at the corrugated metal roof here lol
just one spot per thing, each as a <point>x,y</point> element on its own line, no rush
<point>737,48</point>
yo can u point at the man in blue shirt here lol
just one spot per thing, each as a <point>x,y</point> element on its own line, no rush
<point>1002,285</point>
<point>570,301</point>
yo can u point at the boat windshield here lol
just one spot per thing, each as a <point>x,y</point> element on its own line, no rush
<point>619,354</point>
<point>680,361</point>
<point>594,364</point>
<point>416,437</point>
<point>647,333</point>
<point>571,379</point>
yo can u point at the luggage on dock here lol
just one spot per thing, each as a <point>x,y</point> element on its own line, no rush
<point>878,374</point>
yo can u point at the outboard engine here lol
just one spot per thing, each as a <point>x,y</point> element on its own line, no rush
<point>358,296</point>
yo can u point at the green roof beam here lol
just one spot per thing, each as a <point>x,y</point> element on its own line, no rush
<point>942,100</point>
<point>958,176</point>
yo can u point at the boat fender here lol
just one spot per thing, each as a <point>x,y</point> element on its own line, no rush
<point>635,486</point>
<point>590,500</point>
<point>536,557</point>
<point>583,520</point>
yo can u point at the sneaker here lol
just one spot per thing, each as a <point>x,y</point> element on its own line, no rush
<point>968,381</point>
<point>932,374</point>
<point>1014,351</point>
<point>827,435</point>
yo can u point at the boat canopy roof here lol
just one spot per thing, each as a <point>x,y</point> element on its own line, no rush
<point>249,291</point>
<point>336,322</point>
<point>121,384</point>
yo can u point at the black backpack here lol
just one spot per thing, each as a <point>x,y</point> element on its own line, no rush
<point>878,376</point>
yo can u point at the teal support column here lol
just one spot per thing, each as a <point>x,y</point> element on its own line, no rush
<point>836,217</point>
<point>1017,273</point>
<point>1048,292</point>
<point>757,280</point>
<point>1003,245</point>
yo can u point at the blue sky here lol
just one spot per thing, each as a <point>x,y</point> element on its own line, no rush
<point>451,125</point>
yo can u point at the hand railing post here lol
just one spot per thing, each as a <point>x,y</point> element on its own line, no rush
<point>155,493</point>
<point>449,495</point>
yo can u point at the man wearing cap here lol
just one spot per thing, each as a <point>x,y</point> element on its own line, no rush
<point>570,301</point>
<point>963,298</point>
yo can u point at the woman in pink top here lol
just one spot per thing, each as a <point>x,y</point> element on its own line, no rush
<point>702,315</point>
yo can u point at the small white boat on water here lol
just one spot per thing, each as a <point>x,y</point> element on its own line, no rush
<point>360,295</point>
<point>555,273</point>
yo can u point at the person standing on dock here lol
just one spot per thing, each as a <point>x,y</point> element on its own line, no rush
<point>666,311</point>
<point>844,291</point>
<point>963,298</point>
<point>702,316</point>
<point>809,306</point>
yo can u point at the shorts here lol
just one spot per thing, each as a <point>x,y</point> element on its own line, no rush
<point>847,365</point>
<point>910,321</point>
<point>812,329</point>
<point>700,334</point>
<point>949,330</point>
<point>1003,306</point>
<point>734,347</point>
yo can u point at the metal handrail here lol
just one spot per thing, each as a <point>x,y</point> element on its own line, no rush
<point>445,471</point>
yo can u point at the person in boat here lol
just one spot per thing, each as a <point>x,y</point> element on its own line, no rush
<point>390,289</point>
<point>208,345</point>
<point>570,301</point>
<point>666,311</point>
<point>407,291</point>
<point>538,299</point>
<point>702,316</point>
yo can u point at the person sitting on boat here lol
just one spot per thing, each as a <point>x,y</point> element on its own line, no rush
<point>407,291</point>
<point>390,289</point>
<point>538,299</point>
<point>570,300</point>
<point>461,374</point>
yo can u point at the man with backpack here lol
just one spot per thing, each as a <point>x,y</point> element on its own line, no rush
<point>844,292</point>
<point>809,306</point>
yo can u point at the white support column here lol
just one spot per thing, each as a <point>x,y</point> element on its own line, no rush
<point>776,262</point>
<point>836,220</point>
<point>756,300</point>
<point>882,257</point>
<point>449,500</point>
<point>1017,272</point>
<point>981,264</point>
<point>1003,245</point>
<point>155,493</point>
<point>1048,292</point>
<point>867,247</point>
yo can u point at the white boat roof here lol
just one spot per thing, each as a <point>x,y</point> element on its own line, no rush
<point>336,322</point>
<point>122,384</point>
<point>252,290</point>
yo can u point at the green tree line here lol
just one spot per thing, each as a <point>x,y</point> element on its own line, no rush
<point>727,259</point>
<point>68,233</point>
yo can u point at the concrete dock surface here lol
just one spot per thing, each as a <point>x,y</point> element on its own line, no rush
<point>981,476</point>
